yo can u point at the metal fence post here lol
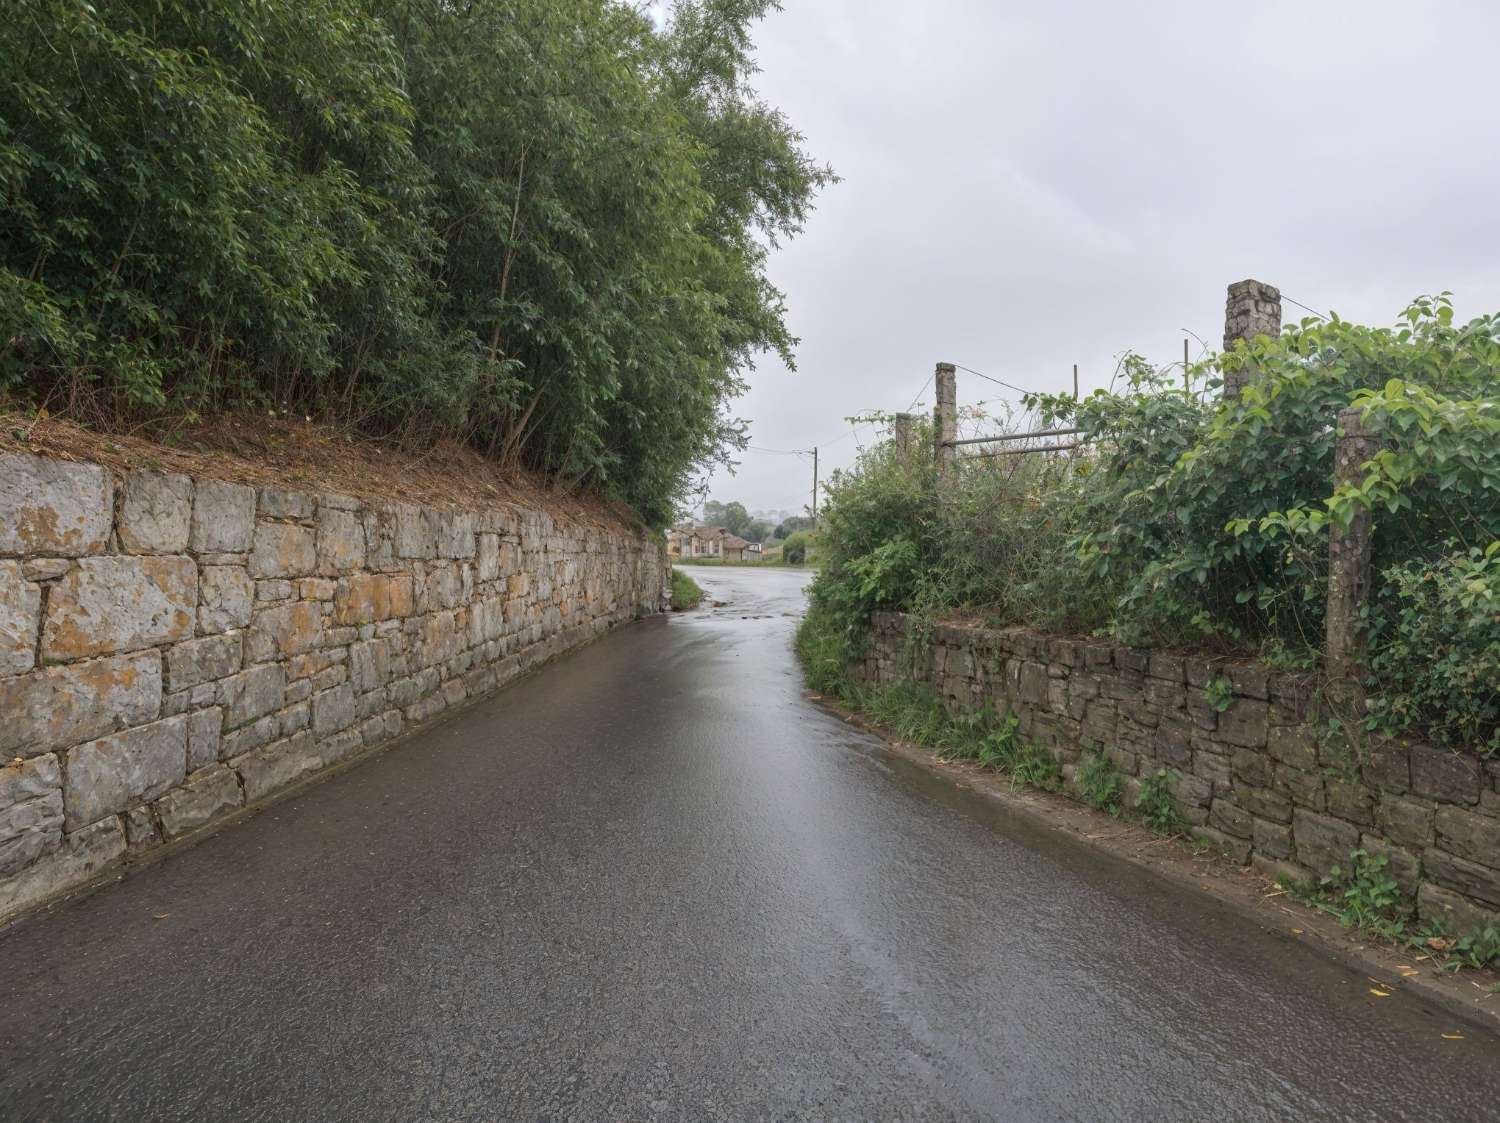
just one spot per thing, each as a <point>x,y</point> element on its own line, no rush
<point>945,418</point>
<point>1253,308</point>
<point>1349,562</point>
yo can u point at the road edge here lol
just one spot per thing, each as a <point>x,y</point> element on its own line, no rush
<point>1245,892</point>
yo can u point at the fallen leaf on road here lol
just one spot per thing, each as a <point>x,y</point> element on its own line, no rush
<point>1378,993</point>
<point>1296,931</point>
<point>161,916</point>
<point>1453,1037</point>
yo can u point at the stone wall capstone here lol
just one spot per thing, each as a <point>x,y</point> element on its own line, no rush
<point>173,648</point>
<point>1261,779</point>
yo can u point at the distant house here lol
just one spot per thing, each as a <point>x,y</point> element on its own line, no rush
<point>734,547</point>
<point>696,541</point>
<point>753,550</point>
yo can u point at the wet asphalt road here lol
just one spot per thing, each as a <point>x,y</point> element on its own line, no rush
<point>652,882</point>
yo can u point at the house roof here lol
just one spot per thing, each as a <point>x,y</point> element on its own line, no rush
<point>734,542</point>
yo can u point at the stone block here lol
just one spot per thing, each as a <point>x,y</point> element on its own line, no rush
<point>1405,822</point>
<point>1387,765</point>
<point>316,588</point>
<point>1350,801</point>
<point>226,595</point>
<point>62,706</point>
<point>202,799</point>
<point>20,616</point>
<point>53,507</point>
<point>1250,680</point>
<point>81,855</point>
<point>1296,745</point>
<point>1236,849</point>
<point>1322,841</point>
<point>367,598</point>
<point>489,557</point>
<point>341,541</point>
<point>1167,667</point>
<point>275,766</point>
<point>1245,723</point>
<point>260,732</point>
<point>1280,871</point>
<point>1252,767</point>
<point>1455,912</point>
<point>1441,774</point>
<point>31,812</point>
<point>204,729</point>
<point>252,694</point>
<point>1274,840</point>
<point>369,665</point>
<point>106,776</point>
<point>1305,789</point>
<point>118,604</point>
<point>196,661</point>
<point>412,536</point>
<point>1265,804</point>
<point>278,503</point>
<point>294,718</point>
<point>141,831</point>
<point>333,710</point>
<point>283,631</point>
<point>1469,878</point>
<point>283,550</point>
<point>156,513</point>
<point>1471,836</point>
<point>1231,819</point>
<point>45,569</point>
<point>452,533</point>
<point>223,517</point>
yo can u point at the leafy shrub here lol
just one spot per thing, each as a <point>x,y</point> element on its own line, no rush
<point>1100,783</point>
<point>794,549</point>
<point>1157,806</point>
<point>1435,649</point>
<point>1361,894</point>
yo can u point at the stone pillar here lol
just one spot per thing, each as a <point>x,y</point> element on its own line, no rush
<point>1349,551</point>
<point>945,418</point>
<point>903,439</point>
<point>1253,308</point>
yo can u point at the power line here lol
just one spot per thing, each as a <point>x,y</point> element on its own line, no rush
<point>920,392</point>
<point>987,378</point>
<point>1304,307</point>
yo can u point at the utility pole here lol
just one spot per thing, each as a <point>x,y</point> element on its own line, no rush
<point>1075,382</point>
<point>815,487</point>
<point>945,419</point>
<point>1187,382</point>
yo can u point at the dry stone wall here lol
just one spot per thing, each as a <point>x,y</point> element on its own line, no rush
<point>172,648</point>
<point>1262,779</point>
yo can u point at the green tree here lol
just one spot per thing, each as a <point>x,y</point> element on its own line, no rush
<point>540,226</point>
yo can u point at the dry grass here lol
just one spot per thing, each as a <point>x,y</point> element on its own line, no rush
<point>266,450</point>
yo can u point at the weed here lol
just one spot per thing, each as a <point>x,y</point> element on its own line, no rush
<point>1361,895</point>
<point>1479,948</point>
<point>1100,783</point>
<point>686,593</point>
<point>1219,693</point>
<point>1157,807</point>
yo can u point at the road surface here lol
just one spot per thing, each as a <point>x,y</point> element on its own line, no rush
<point>653,882</point>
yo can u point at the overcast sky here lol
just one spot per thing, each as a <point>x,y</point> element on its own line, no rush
<point>1030,185</point>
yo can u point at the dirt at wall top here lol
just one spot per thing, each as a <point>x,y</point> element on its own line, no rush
<point>271,451</point>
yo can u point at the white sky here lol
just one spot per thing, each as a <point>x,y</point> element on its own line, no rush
<point>1030,185</point>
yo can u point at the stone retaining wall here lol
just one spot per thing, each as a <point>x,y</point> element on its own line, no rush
<point>1265,779</point>
<point>172,649</point>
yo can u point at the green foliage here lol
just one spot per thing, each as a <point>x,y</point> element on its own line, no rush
<point>792,525</point>
<point>1474,950</point>
<point>686,593</point>
<point>538,225</point>
<point>794,549</point>
<point>1435,649</point>
<point>1157,806</point>
<point>1219,693</point>
<point>1100,783</point>
<point>1191,520</point>
<point>1361,895</point>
